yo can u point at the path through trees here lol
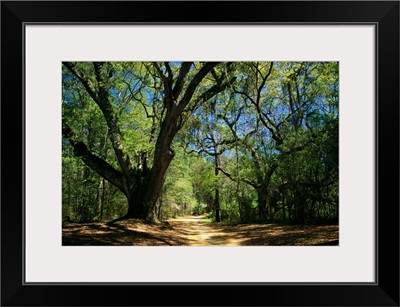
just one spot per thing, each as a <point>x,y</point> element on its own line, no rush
<point>244,141</point>
<point>196,231</point>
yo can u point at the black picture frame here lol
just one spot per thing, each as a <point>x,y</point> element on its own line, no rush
<point>383,14</point>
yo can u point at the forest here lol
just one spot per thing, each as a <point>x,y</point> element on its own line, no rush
<point>233,142</point>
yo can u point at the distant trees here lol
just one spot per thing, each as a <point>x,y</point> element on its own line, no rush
<point>244,140</point>
<point>292,102</point>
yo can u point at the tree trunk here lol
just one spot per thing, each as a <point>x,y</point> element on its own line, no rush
<point>262,202</point>
<point>100,198</point>
<point>143,198</point>
<point>263,192</point>
<point>217,206</point>
<point>136,207</point>
<point>159,207</point>
<point>299,208</point>
<point>141,187</point>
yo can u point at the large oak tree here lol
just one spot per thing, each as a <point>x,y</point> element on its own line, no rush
<point>169,93</point>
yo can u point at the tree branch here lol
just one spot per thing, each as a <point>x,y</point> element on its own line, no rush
<point>264,79</point>
<point>101,98</point>
<point>194,83</point>
<point>99,165</point>
<point>71,67</point>
<point>167,85</point>
<point>249,182</point>
<point>180,81</point>
<point>207,95</point>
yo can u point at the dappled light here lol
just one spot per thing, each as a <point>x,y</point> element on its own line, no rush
<point>193,231</point>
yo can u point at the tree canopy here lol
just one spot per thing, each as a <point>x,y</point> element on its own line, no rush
<point>243,141</point>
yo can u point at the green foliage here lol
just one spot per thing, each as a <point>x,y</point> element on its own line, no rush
<point>268,143</point>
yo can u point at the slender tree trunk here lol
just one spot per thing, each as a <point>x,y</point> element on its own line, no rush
<point>263,193</point>
<point>217,206</point>
<point>299,209</point>
<point>262,203</point>
<point>159,207</point>
<point>100,198</point>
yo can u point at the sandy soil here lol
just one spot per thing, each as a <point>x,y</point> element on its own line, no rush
<point>192,231</point>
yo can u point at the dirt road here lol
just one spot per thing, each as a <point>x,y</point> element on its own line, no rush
<point>201,233</point>
<point>193,231</point>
